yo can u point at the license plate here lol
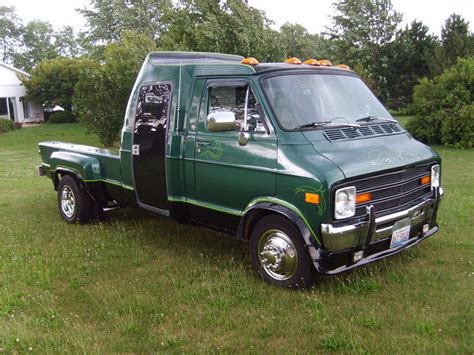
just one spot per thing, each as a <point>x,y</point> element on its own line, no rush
<point>401,232</point>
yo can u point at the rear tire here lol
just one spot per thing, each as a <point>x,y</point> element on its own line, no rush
<point>279,254</point>
<point>75,205</point>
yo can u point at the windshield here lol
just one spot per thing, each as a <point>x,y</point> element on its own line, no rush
<point>302,99</point>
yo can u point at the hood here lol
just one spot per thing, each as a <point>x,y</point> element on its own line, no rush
<point>364,156</point>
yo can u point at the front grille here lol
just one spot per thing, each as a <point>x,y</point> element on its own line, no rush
<point>336,134</point>
<point>392,191</point>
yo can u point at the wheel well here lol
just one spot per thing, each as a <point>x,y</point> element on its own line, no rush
<point>253,216</point>
<point>96,193</point>
<point>59,174</point>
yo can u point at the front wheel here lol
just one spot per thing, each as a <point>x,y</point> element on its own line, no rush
<point>279,255</point>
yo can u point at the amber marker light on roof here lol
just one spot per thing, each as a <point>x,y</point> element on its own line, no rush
<point>343,66</point>
<point>293,60</point>
<point>311,62</point>
<point>425,180</point>
<point>311,198</point>
<point>362,198</point>
<point>325,63</point>
<point>250,61</point>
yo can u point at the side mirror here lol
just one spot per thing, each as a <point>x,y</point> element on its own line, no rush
<point>221,121</point>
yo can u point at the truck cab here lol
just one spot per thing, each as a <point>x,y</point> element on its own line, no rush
<point>299,159</point>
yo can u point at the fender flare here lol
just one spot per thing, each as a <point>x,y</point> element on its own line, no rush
<point>311,242</point>
<point>83,167</point>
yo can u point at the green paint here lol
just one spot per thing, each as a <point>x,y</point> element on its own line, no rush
<point>285,204</point>
<point>107,181</point>
<point>205,205</point>
<point>213,151</point>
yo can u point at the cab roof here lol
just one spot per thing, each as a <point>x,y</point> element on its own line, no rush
<point>177,58</point>
<point>205,61</point>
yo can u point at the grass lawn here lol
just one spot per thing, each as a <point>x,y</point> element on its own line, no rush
<point>139,283</point>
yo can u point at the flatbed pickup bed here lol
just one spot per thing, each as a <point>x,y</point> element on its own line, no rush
<point>87,163</point>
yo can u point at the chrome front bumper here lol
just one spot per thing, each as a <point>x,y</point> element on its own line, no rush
<point>374,229</point>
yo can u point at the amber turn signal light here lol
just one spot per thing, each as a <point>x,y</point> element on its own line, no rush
<point>425,180</point>
<point>343,66</point>
<point>365,197</point>
<point>293,60</point>
<point>311,198</point>
<point>250,61</point>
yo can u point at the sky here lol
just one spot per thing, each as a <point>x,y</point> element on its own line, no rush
<point>312,14</point>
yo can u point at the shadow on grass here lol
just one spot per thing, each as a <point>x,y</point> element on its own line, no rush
<point>164,234</point>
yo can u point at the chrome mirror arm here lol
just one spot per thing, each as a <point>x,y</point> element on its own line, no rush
<point>244,128</point>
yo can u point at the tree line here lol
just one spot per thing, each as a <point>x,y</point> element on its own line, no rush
<point>365,34</point>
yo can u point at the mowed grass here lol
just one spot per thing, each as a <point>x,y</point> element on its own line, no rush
<point>141,283</point>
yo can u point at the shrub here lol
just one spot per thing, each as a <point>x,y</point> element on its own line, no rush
<point>61,117</point>
<point>443,107</point>
<point>102,92</point>
<point>6,125</point>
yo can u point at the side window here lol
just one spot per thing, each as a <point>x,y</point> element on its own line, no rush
<point>153,106</point>
<point>233,99</point>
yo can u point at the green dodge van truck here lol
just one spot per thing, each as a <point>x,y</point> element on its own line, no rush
<point>299,159</point>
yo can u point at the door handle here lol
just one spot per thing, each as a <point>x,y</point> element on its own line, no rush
<point>203,143</point>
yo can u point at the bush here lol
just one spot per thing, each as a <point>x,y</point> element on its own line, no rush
<point>102,92</point>
<point>61,117</point>
<point>443,108</point>
<point>6,125</point>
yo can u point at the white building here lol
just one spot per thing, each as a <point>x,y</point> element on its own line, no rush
<point>12,92</point>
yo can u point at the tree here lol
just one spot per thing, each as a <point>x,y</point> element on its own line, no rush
<point>443,107</point>
<point>299,43</point>
<point>108,19</point>
<point>37,45</point>
<point>361,30</point>
<point>456,40</point>
<point>67,43</point>
<point>411,58</point>
<point>103,90</point>
<point>227,27</point>
<point>52,81</point>
<point>10,31</point>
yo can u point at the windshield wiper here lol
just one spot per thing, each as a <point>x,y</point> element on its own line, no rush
<point>329,123</point>
<point>376,118</point>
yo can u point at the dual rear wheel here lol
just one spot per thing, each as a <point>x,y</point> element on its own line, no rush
<point>75,204</point>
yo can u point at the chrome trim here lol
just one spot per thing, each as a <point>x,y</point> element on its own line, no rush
<point>277,254</point>
<point>337,238</point>
<point>68,201</point>
<point>380,255</point>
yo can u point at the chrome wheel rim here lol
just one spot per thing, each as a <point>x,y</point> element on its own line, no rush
<point>277,254</point>
<point>68,201</point>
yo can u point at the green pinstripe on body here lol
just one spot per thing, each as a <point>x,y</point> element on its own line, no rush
<point>108,181</point>
<point>205,205</point>
<point>285,204</point>
<point>247,208</point>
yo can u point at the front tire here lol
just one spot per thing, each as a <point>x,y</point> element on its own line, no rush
<point>279,255</point>
<point>75,205</point>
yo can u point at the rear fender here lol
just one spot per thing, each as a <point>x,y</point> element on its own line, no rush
<point>85,168</point>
